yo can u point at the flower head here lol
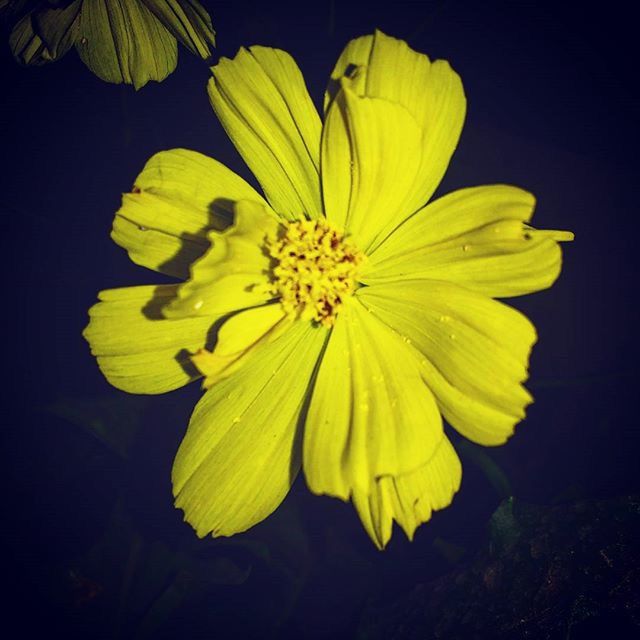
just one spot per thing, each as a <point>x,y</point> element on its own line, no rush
<point>315,269</point>
<point>130,41</point>
<point>340,317</point>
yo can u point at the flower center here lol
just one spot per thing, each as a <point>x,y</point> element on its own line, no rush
<point>315,269</point>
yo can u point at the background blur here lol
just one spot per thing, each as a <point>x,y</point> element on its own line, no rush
<point>93,546</point>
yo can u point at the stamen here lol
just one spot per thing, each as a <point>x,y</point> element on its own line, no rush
<point>315,269</point>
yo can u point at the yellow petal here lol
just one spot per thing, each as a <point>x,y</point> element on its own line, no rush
<point>26,45</point>
<point>262,102</point>
<point>241,451</point>
<point>234,273</point>
<point>371,155</point>
<point>188,21</point>
<point>375,511</point>
<point>137,349</point>
<point>58,27</point>
<point>382,67</point>
<point>353,63</point>
<point>238,338</point>
<point>122,41</point>
<point>371,413</point>
<point>178,198</point>
<point>410,498</point>
<point>475,351</point>
<point>475,237</point>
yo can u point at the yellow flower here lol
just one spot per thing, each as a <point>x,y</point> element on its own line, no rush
<point>338,319</point>
<point>130,41</point>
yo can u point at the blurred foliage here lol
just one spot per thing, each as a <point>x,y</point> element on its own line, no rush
<point>139,580</point>
<point>114,420</point>
<point>564,571</point>
<point>504,527</point>
<point>135,583</point>
<point>130,41</point>
<point>487,465</point>
<point>451,552</point>
<point>543,571</point>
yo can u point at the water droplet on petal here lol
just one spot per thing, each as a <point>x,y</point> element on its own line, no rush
<point>198,304</point>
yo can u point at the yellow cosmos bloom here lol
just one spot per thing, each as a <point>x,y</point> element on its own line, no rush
<point>340,317</point>
<point>130,41</point>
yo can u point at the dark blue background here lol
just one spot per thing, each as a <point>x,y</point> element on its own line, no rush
<point>552,106</point>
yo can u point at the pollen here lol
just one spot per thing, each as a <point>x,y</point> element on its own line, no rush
<point>315,269</point>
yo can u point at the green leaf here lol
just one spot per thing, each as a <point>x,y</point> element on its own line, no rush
<point>58,28</point>
<point>188,21</point>
<point>122,41</point>
<point>504,527</point>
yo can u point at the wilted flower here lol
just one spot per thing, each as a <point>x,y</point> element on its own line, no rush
<point>131,41</point>
<point>339,317</point>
